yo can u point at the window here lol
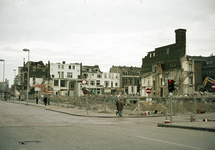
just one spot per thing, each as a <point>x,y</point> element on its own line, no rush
<point>98,76</point>
<point>85,76</point>
<point>52,76</point>
<point>116,84</point>
<point>70,67</point>
<point>71,85</point>
<point>58,66</point>
<point>69,74</point>
<point>58,74</point>
<point>105,76</point>
<point>126,81</point>
<point>97,82</point>
<point>149,83</point>
<point>56,82</point>
<point>190,80</point>
<point>62,83</point>
<point>73,67</point>
<point>34,79</point>
<point>62,66</point>
<point>167,51</point>
<point>116,76</point>
<point>92,83</point>
<point>106,83</point>
<point>190,67</point>
<point>154,54</point>
<point>132,89</point>
<point>172,65</point>
<point>62,74</point>
<point>131,81</point>
<point>34,69</point>
<point>44,70</point>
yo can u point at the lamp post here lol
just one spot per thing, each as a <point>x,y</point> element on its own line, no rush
<point>27,50</point>
<point>3,78</point>
<point>14,82</point>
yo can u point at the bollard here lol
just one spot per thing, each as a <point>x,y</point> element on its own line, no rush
<point>206,120</point>
<point>192,118</point>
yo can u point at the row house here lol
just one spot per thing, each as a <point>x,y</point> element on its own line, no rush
<point>129,78</point>
<point>100,82</point>
<point>66,78</point>
<point>38,73</point>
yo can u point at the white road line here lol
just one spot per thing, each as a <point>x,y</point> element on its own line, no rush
<point>168,142</point>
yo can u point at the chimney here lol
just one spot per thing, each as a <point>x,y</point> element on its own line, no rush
<point>23,62</point>
<point>180,36</point>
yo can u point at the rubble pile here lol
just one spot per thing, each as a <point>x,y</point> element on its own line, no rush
<point>107,104</point>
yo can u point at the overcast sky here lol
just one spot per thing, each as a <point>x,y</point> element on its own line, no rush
<point>100,32</point>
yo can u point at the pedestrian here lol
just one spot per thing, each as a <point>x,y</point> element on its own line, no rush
<point>120,107</point>
<point>45,100</point>
<point>36,99</point>
<point>117,107</point>
<point>48,100</point>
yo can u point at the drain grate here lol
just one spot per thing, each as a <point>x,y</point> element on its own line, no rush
<point>24,142</point>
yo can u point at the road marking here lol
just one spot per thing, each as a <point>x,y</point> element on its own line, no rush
<point>167,142</point>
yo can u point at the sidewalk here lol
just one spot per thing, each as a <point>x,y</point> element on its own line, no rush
<point>179,121</point>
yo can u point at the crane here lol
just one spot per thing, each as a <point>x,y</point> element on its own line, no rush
<point>207,79</point>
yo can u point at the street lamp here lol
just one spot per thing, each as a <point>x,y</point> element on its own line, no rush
<point>3,78</point>
<point>27,50</point>
<point>14,82</point>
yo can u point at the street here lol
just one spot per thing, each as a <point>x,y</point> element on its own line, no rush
<point>30,127</point>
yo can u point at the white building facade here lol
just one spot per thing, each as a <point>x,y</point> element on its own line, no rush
<point>66,78</point>
<point>101,83</point>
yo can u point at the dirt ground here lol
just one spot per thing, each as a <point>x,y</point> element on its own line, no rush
<point>107,104</point>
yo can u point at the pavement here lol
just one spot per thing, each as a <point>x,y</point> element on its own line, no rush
<point>203,122</point>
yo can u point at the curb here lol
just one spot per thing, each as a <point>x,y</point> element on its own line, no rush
<point>185,127</point>
<point>97,116</point>
<point>39,105</point>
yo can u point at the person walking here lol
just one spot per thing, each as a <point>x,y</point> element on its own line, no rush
<point>37,100</point>
<point>45,100</point>
<point>117,107</point>
<point>120,107</point>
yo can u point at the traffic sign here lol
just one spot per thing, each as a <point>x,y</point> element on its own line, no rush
<point>213,86</point>
<point>85,91</point>
<point>148,90</point>
<point>84,82</point>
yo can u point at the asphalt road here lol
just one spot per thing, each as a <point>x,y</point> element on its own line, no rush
<point>30,128</point>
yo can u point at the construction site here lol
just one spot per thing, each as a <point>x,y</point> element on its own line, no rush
<point>133,105</point>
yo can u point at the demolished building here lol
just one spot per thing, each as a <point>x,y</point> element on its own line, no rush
<point>165,63</point>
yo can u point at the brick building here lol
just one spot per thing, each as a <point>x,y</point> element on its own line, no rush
<point>129,78</point>
<point>165,63</point>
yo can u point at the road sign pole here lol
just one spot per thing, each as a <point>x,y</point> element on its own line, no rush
<point>170,107</point>
<point>87,105</point>
<point>195,103</point>
<point>137,104</point>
